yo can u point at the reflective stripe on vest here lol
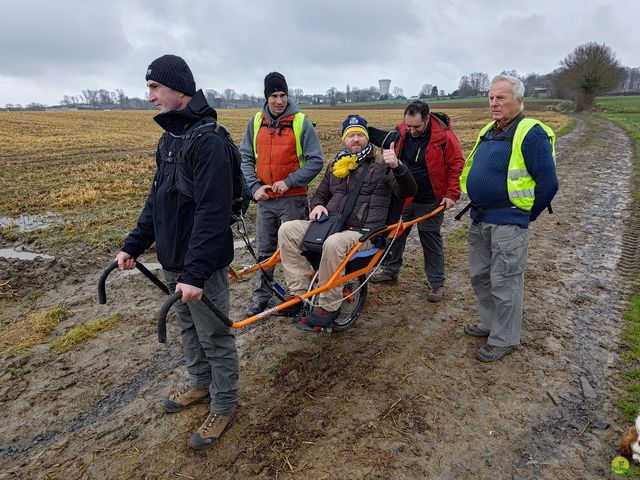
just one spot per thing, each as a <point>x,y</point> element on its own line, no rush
<point>296,124</point>
<point>520,185</point>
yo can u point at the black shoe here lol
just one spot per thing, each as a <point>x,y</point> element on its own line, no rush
<point>319,317</point>
<point>255,308</point>
<point>292,310</point>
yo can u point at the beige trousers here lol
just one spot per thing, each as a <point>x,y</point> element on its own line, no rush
<point>296,267</point>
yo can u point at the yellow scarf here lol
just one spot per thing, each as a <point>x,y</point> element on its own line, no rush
<point>342,167</point>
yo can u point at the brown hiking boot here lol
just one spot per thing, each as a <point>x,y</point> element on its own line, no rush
<point>211,430</point>
<point>185,398</point>
<point>435,294</point>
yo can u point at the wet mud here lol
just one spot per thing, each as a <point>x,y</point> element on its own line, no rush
<point>399,395</point>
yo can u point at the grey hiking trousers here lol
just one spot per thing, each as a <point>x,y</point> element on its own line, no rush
<point>270,215</point>
<point>430,235</point>
<point>497,261</point>
<point>209,346</point>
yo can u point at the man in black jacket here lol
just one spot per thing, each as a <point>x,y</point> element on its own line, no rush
<point>187,214</point>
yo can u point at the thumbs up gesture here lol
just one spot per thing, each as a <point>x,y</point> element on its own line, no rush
<point>389,156</point>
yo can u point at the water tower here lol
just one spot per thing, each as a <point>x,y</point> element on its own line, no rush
<point>384,87</point>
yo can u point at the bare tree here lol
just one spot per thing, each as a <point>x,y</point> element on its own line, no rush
<point>591,69</point>
<point>631,80</point>
<point>229,94</point>
<point>297,94</point>
<point>425,91</point>
<point>90,97</point>
<point>465,89</point>
<point>331,95</point>
<point>397,92</point>
<point>479,81</point>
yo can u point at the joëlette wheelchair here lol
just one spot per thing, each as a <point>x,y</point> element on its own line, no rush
<point>353,273</point>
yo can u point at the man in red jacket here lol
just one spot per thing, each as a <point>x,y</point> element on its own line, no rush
<point>427,145</point>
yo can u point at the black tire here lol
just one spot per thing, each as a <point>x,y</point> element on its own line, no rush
<point>352,307</point>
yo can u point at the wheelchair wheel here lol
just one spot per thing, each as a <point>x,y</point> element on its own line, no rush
<point>355,293</point>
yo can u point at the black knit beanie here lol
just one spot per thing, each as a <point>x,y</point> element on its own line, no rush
<point>172,71</point>
<point>275,82</point>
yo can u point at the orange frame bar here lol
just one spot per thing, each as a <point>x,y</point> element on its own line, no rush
<point>335,279</point>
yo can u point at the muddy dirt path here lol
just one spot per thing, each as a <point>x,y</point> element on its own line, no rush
<point>400,395</point>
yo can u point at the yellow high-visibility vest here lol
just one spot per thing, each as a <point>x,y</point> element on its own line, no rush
<point>520,185</point>
<point>296,124</point>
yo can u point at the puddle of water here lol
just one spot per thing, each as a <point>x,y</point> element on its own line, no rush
<point>29,223</point>
<point>11,253</point>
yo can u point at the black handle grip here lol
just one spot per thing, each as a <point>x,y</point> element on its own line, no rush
<point>162,315</point>
<point>158,283</point>
<point>102,291</point>
<point>173,298</point>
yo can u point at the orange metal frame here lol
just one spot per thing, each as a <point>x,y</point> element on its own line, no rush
<point>335,279</point>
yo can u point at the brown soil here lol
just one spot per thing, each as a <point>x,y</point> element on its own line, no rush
<point>399,395</point>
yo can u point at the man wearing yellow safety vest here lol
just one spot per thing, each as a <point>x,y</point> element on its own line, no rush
<point>510,177</point>
<point>281,154</point>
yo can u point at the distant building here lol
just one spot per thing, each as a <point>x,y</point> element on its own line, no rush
<point>384,84</point>
<point>540,92</point>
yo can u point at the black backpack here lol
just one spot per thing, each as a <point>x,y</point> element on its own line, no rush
<point>241,192</point>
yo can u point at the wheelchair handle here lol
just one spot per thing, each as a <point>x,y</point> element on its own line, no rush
<point>102,291</point>
<point>173,298</point>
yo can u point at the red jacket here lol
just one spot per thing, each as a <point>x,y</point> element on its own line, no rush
<point>443,156</point>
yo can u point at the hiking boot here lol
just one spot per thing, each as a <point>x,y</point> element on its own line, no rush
<point>435,294</point>
<point>292,310</point>
<point>211,430</point>
<point>383,277</point>
<point>318,319</point>
<point>255,308</point>
<point>475,331</point>
<point>185,398</point>
<point>491,353</point>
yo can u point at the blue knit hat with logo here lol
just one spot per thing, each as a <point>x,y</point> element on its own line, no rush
<point>172,71</point>
<point>354,123</point>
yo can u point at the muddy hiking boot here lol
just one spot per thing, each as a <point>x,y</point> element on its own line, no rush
<point>185,398</point>
<point>211,430</point>
<point>475,331</point>
<point>293,310</point>
<point>318,319</point>
<point>435,294</point>
<point>492,353</point>
<point>383,277</point>
<point>255,308</point>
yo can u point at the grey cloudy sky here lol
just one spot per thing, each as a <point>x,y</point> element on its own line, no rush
<point>49,49</point>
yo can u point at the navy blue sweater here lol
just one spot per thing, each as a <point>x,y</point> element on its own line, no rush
<point>487,180</point>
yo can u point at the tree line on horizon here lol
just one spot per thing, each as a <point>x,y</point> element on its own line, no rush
<point>589,70</point>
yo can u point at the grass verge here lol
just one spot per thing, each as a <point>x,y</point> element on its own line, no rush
<point>82,333</point>
<point>21,336</point>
